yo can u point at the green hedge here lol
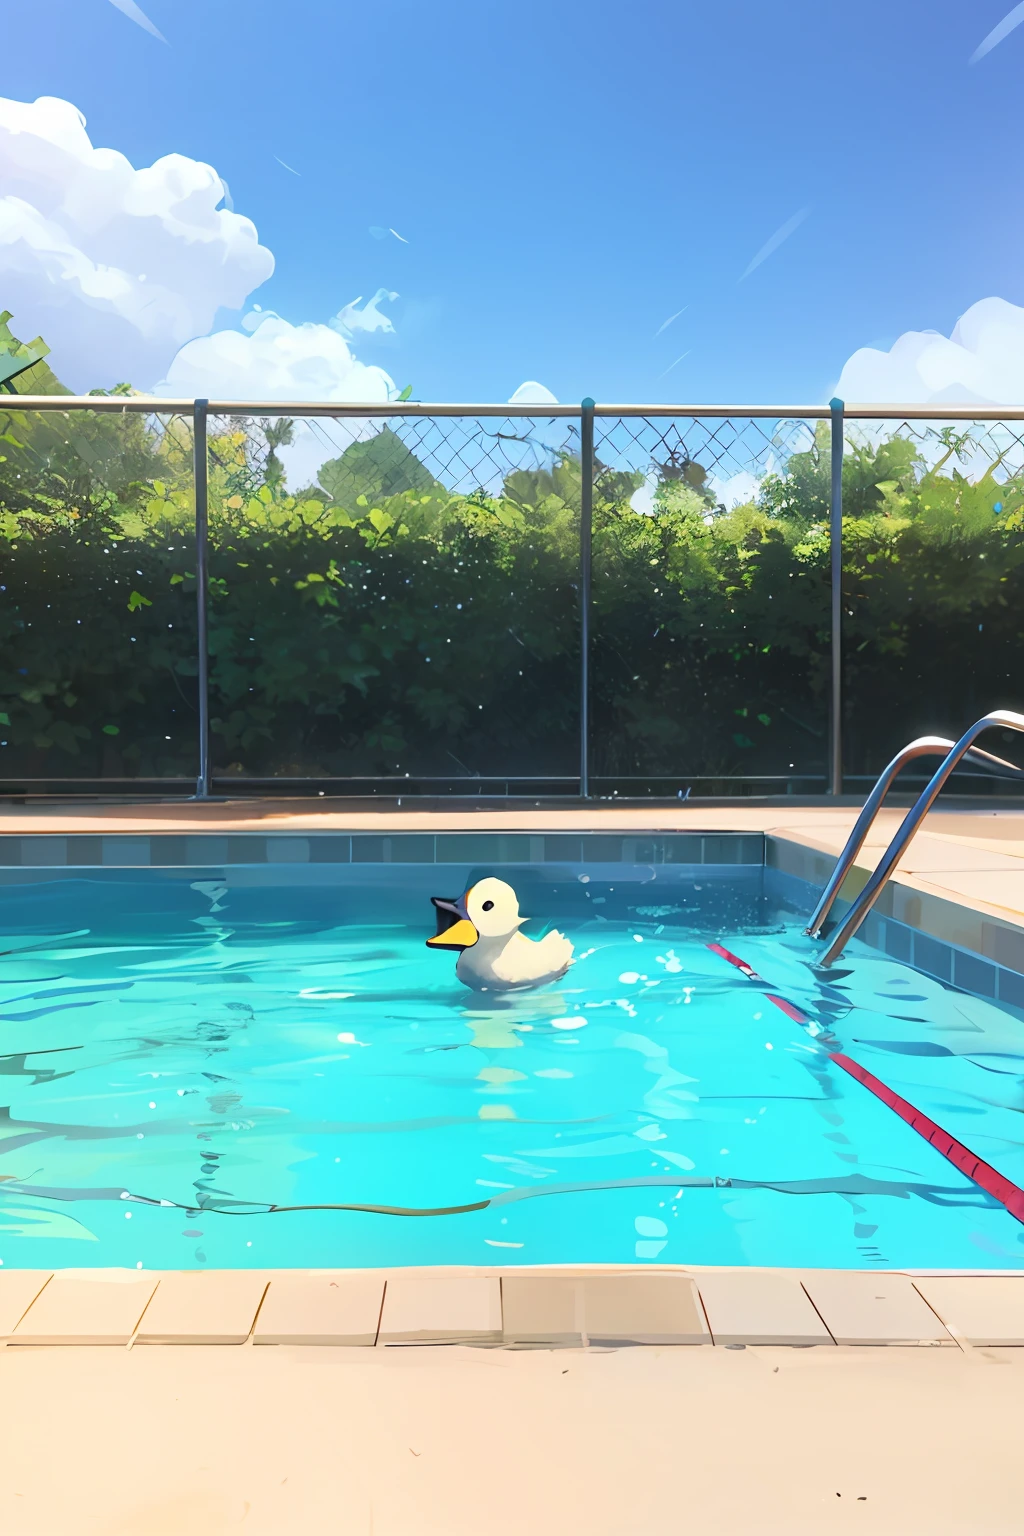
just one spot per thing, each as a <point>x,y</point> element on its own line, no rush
<point>378,624</point>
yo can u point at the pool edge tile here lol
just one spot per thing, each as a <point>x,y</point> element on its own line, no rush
<point>19,1290</point>
<point>760,1307</point>
<point>848,1303</point>
<point>340,1309</point>
<point>633,1307</point>
<point>103,1309</point>
<point>443,1308</point>
<point>983,1309</point>
<point>203,1307</point>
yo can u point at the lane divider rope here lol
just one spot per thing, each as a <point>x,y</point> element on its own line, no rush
<point>1008,1194</point>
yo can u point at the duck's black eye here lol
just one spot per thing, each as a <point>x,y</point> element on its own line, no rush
<point>488,905</point>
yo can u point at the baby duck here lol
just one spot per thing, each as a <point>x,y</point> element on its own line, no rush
<point>483,925</point>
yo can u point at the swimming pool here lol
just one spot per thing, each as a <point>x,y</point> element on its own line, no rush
<point>212,1068</point>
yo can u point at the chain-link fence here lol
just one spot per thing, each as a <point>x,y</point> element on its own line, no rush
<point>394,600</point>
<point>932,584</point>
<point>399,599</point>
<point>98,624</point>
<point>710,640</point>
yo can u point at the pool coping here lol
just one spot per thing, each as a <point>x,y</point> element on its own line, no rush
<point>536,1306</point>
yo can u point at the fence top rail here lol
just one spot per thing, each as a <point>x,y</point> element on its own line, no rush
<point>157,404</point>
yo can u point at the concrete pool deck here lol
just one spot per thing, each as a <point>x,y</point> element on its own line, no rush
<point>453,1441</point>
<point>458,1442</point>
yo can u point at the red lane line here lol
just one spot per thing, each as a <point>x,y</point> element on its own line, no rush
<point>1009,1195</point>
<point>741,965</point>
<point>990,1180</point>
<point>789,1009</point>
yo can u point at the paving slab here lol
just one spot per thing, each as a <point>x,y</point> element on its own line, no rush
<point>874,1309</point>
<point>340,1308</point>
<point>644,1309</point>
<point>757,1306</point>
<point>606,1309</point>
<point>442,1308</point>
<point>99,1308</point>
<point>983,1309</point>
<point>18,1290</point>
<point>195,1308</point>
<point>542,1309</point>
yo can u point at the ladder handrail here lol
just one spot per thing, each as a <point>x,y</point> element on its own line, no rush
<point>923,746</point>
<point>1005,718</point>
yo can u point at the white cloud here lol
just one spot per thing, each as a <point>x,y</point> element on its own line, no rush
<point>115,267</point>
<point>352,319</point>
<point>742,486</point>
<point>981,363</point>
<point>277,361</point>
<point>532,393</point>
<point>280,361</point>
<point>256,317</point>
<point>642,499</point>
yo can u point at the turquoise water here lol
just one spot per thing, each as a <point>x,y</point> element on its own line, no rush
<point>178,1056</point>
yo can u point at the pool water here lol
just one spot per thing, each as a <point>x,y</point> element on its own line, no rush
<point>196,1073</point>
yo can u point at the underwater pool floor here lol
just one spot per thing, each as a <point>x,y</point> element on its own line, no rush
<point>195,1074</point>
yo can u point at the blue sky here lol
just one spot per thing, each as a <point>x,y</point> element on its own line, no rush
<point>567,175</point>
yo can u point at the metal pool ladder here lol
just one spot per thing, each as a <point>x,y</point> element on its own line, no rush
<point>924,746</point>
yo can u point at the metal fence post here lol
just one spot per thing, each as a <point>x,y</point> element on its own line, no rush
<point>835,765</point>
<point>199,470</point>
<point>586,531</point>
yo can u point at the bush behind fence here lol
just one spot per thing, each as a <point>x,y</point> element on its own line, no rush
<point>400,595</point>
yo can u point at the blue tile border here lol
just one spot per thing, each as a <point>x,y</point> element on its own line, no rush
<point>933,956</point>
<point>962,968</point>
<point>997,974</point>
<point>185,850</point>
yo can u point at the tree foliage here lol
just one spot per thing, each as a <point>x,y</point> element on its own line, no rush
<point>378,624</point>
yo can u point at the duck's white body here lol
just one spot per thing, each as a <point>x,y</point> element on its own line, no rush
<point>514,961</point>
<point>494,956</point>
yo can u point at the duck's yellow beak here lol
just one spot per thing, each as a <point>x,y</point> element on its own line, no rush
<point>460,935</point>
<point>454,929</point>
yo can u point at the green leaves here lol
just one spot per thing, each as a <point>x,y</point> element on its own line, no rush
<point>378,622</point>
<point>380,521</point>
<point>378,468</point>
<point>322,585</point>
